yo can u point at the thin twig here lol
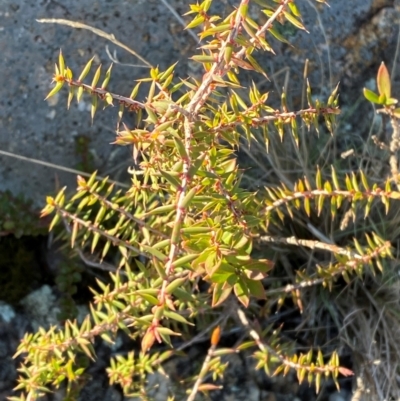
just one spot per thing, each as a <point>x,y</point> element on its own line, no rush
<point>394,145</point>
<point>114,59</point>
<point>58,167</point>
<point>394,148</point>
<point>354,260</point>
<point>264,347</point>
<point>201,336</point>
<point>123,212</point>
<point>91,227</point>
<point>103,92</point>
<point>202,374</point>
<point>206,364</point>
<point>181,21</point>
<point>312,245</point>
<point>259,121</point>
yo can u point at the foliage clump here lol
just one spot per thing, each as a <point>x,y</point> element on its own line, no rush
<point>19,217</point>
<point>21,238</point>
<point>197,252</point>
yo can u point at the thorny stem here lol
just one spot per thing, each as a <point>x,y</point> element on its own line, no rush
<point>379,193</point>
<point>394,145</point>
<point>103,92</point>
<point>220,68</point>
<point>354,257</point>
<point>394,148</point>
<point>91,227</point>
<point>214,342</point>
<point>203,372</point>
<point>271,20</point>
<point>111,325</point>
<point>88,262</point>
<point>200,97</point>
<point>192,110</point>
<point>180,212</point>
<point>264,347</point>
<point>122,211</point>
<point>230,203</point>
<point>312,245</point>
<point>257,121</point>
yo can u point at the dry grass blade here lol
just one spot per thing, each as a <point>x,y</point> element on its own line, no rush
<point>99,32</point>
<point>376,353</point>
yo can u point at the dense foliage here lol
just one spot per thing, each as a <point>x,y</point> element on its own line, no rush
<point>193,250</point>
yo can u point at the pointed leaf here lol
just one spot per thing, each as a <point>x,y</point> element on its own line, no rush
<point>371,96</point>
<point>57,87</point>
<point>294,21</point>
<point>85,70</point>
<point>383,81</point>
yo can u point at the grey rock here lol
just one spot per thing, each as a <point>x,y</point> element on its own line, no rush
<point>41,306</point>
<point>341,395</point>
<point>351,35</point>
<point>6,312</point>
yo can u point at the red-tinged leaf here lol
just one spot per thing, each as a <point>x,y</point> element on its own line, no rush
<point>208,387</point>
<point>220,294</point>
<point>46,211</point>
<point>383,81</point>
<point>148,340</point>
<point>255,274</point>
<point>262,265</point>
<point>166,331</point>
<point>242,292</point>
<point>256,289</point>
<point>242,64</point>
<point>212,264</point>
<point>345,372</point>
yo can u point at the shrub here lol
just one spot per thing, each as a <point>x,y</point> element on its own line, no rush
<point>196,251</point>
